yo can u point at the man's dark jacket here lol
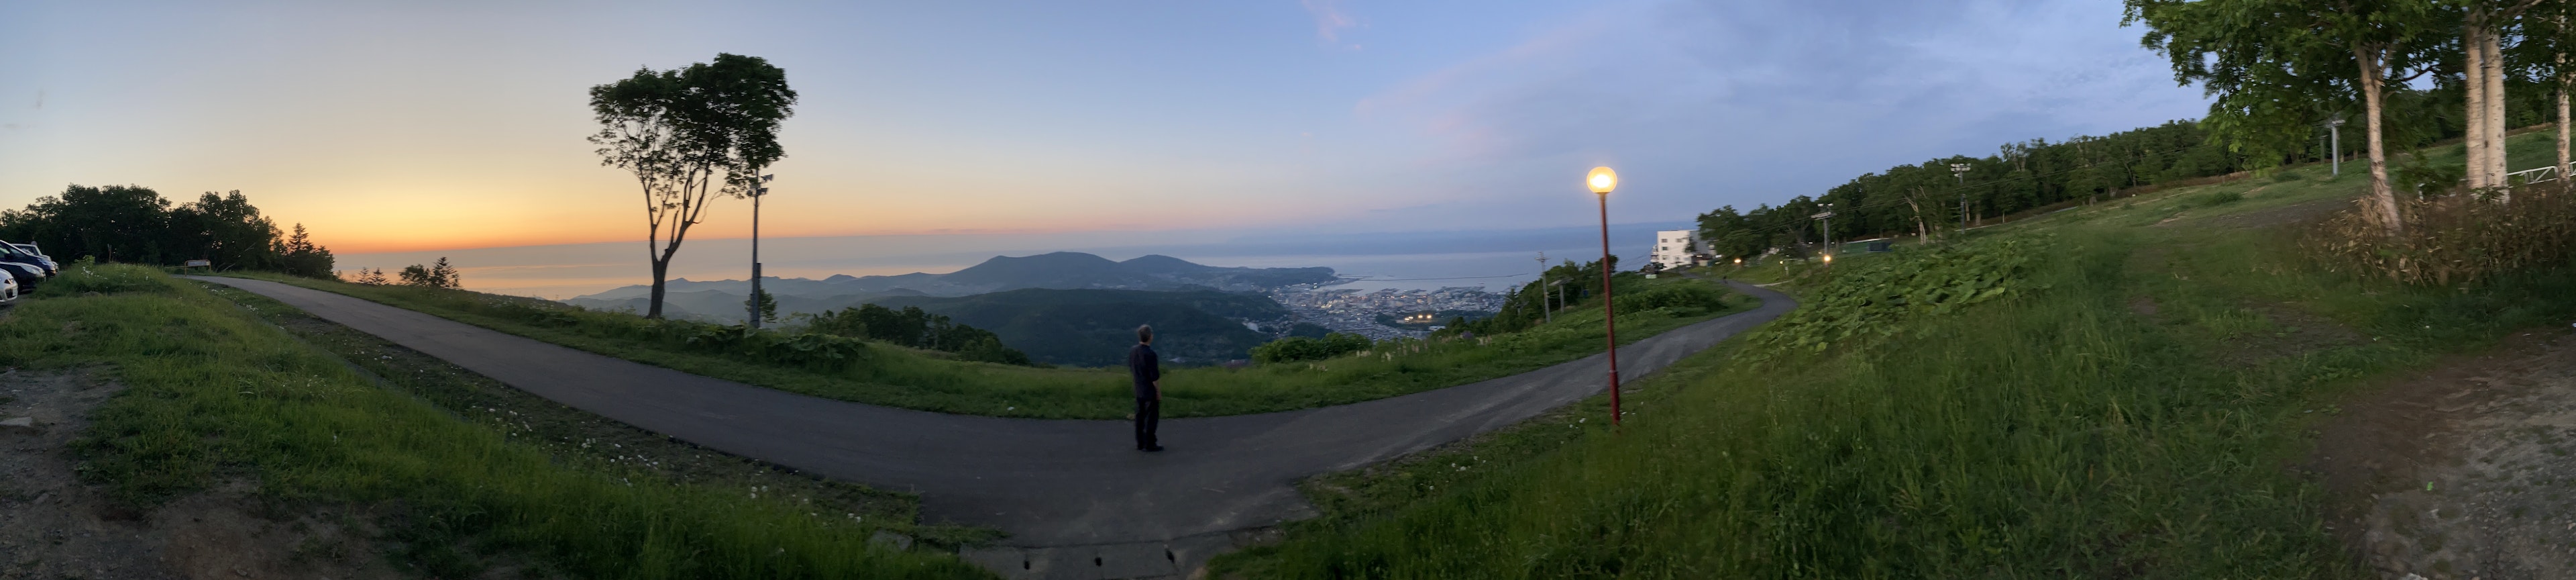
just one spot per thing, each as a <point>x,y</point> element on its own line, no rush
<point>1146,368</point>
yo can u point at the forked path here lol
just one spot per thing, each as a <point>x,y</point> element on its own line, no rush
<point>1048,483</point>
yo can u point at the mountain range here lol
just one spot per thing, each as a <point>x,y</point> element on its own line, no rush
<point>1059,270</point>
<point>1066,308</point>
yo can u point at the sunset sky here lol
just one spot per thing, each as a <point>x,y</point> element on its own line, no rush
<point>411,126</point>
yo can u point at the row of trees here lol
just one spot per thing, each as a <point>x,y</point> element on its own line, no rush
<point>915,328</point>
<point>135,224</point>
<point>2275,67</point>
<point>1930,197</point>
<point>2403,73</point>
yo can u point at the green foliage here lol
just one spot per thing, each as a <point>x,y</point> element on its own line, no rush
<point>213,393</point>
<point>1877,297</point>
<point>135,224</point>
<point>680,130</point>
<point>2218,198</point>
<point>1298,348</point>
<point>2454,239</point>
<point>913,327</point>
<point>764,303</point>
<point>1091,327</point>
<point>1680,299</point>
<point>439,275</point>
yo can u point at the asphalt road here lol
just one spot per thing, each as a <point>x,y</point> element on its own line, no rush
<point>1045,482</point>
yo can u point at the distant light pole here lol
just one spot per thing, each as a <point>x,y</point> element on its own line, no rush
<point>1602,181</point>
<point>1961,170</point>
<point>2334,128</point>
<point>1828,216</point>
<point>758,190</point>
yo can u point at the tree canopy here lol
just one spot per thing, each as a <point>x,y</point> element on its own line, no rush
<point>689,135</point>
<point>135,224</point>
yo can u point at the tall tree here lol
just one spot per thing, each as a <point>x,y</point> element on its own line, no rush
<point>2267,62</point>
<point>690,135</point>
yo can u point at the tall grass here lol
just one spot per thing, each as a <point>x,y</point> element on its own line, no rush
<point>215,394</point>
<point>2057,433</point>
<point>932,381</point>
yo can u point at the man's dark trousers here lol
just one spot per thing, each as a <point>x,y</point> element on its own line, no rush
<point>1148,413</point>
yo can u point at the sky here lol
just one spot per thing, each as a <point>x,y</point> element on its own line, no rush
<point>392,128</point>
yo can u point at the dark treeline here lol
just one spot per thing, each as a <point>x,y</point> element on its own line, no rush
<point>1911,200</point>
<point>915,328</point>
<point>1565,285</point>
<point>125,223</point>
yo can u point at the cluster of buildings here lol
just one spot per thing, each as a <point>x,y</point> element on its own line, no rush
<point>1356,312</point>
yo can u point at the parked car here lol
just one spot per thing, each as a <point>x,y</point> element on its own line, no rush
<point>52,268</point>
<point>23,274</point>
<point>8,289</point>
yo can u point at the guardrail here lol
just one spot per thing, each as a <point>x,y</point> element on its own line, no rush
<point>2533,175</point>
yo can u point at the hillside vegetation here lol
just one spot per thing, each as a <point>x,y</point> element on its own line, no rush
<point>216,395</point>
<point>878,373</point>
<point>2124,407</point>
<point>1095,327</point>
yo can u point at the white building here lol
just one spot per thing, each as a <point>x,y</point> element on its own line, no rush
<point>1674,248</point>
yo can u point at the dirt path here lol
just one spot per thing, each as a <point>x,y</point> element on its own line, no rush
<point>54,526</point>
<point>2467,471</point>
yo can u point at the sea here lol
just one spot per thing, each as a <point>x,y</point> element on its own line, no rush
<point>1489,259</point>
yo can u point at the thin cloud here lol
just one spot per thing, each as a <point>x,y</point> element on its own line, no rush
<point>1329,19</point>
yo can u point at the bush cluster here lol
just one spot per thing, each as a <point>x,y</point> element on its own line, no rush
<point>2452,239</point>
<point>1299,348</point>
<point>1874,296</point>
<point>1681,299</point>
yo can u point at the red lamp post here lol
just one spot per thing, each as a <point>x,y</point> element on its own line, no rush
<point>1602,181</point>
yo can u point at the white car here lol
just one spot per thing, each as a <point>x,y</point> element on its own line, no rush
<point>8,289</point>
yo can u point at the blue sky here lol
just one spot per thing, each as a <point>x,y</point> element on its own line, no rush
<point>390,126</point>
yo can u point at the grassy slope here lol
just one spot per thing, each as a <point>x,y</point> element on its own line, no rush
<point>2133,419</point>
<point>214,393</point>
<point>927,381</point>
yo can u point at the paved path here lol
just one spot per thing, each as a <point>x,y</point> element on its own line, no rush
<point>1048,483</point>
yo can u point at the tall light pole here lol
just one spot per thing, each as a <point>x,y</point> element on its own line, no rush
<point>2334,128</point>
<point>1602,181</point>
<point>1828,216</point>
<point>1961,170</point>
<point>759,189</point>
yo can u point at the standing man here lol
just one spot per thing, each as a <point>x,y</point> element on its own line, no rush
<point>1147,369</point>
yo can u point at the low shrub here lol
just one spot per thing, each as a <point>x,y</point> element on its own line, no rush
<point>2453,238</point>
<point>1690,298</point>
<point>1873,296</point>
<point>1299,348</point>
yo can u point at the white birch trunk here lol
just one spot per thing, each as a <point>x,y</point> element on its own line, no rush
<point>2370,88</point>
<point>2497,154</point>
<point>2473,84</point>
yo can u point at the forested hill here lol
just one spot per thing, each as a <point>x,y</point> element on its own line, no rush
<point>1095,327</point>
<point>1060,270</point>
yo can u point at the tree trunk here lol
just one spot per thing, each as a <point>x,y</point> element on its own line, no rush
<point>660,267</point>
<point>2562,116</point>
<point>2370,99</point>
<point>2496,152</point>
<point>2473,85</point>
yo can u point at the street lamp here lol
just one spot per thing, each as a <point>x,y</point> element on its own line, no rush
<point>758,190</point>
<point>1602,180</point>
<point>1961,170</point>
<point>2334,128</point>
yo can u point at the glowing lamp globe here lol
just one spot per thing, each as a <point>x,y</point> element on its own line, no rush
<point>1602,180</point>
